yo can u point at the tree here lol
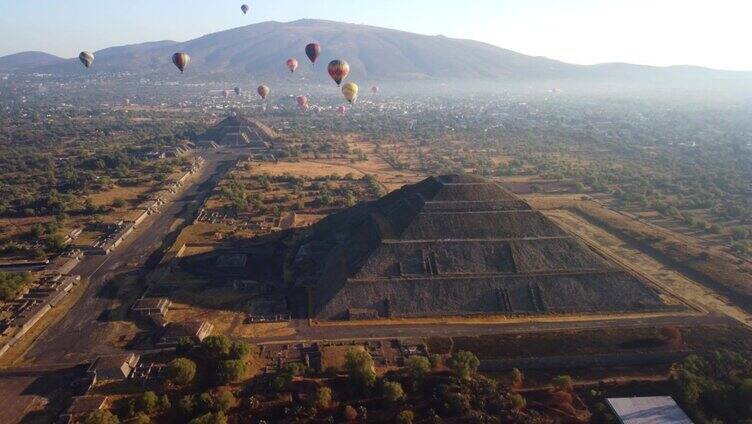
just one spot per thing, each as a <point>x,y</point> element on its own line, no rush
<point>323,397</point>
<point>518,402</point>
<point>240,350</point>
<point>148,402</point>
<point>215,418</point>
<point>141,418</point>
<point>463,364</point>
<point>164,403</point>
<point>224,400</point>
<point>230,371</point>
<point>563,383</point>
<point>418,366</point>
<point>118,203</point>
<point>180,371</point>
<point>217,347</point>
<point>349,414</point>
<point>435,360</point>
<point>406,417</point>
<point>186,405</point>
<point>672,336</point>
<point>393,392</point>
<point>518,378</point>
<point>101,416</point>
<point>359,365</point>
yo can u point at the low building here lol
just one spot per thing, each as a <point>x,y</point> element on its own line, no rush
<point>114,367</point>
<point>648,410</point>
<point>82,406</point>
<point>194,330</point>
<point>151,306</point>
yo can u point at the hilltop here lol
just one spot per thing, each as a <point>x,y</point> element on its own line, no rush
<point>373,53</point>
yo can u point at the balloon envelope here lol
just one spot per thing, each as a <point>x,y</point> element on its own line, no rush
<point>263,91</point>
<point>181,60</point>
<point>339,70</point>
<point>375,89</point>
<point>342,110</point>
<point>87,58</point>
<point>302,101</point>
<point>244,8</point>
<point>237,91</point>
<point>292,64</point>
<point>350,91</point>
<point>313,51</point>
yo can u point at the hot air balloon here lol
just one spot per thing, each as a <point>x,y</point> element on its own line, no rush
<point>302,102</point>
<point>313,51</point>
<point>263,91</point>
<point>181,60</point>
<point>350,91</point>
<point>87,58</point>
<point>226,93</point>
<point>338,70</point>
<point>292,64</point>
<point>244,8</point>
<point>375,89</point>
<point>342,110</point>
<point>238,91</point>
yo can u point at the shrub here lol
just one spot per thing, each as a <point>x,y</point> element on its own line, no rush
<point>323,397</point>
<point>418,366</point>
<point>230,371</point>
<point>349,414</point>
<point>463,364</point>
<point>216,418</point>
<point>224,400</point>
<point>518,402</point>
<point>359,365</point>
<point>563,382</point>
<point>393,392</point>
<point>148,402</point>
<point>217,347</point>
<point>101,416</point>
<point>406,417</point>
<point>180,371</point>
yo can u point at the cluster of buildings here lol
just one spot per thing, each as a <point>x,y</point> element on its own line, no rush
<point>19,316</point>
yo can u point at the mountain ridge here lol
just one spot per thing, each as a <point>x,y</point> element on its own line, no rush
<point>373,52</point>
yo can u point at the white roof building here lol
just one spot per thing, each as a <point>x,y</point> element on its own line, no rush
<point>648,410</point>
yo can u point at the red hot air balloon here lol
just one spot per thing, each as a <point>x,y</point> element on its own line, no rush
<point>338,70</point>
<point>342,110</point>
<point>292,64</point>
<point>302,102</point>
<point>181,60</point>
<point>313,51</point>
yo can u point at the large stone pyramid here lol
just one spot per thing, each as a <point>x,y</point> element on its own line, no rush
<point>456,245</point>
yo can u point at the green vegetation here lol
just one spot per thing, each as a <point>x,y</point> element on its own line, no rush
<point>11,284</point>
<point>463,364</point>
<point>360,368</point>
<point>717,389</point>
<point>180,371</point>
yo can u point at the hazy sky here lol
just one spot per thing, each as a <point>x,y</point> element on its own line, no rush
<point>657,32</point>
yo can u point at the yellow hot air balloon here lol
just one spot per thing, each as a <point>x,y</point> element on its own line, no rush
<point>350,91</point>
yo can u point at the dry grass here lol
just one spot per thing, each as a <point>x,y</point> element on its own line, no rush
<point>229,323</point>
<point>129,194</point>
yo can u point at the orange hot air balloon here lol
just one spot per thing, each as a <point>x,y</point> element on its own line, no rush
<point>292,64</point>
<point>339,70</point>
<point>181,60</point>
<point>263,91</point>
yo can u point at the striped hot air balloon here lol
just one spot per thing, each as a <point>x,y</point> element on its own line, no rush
<point>313,51</point>
<point>263,91</point>
<point>292,64</point>
<point>181,60</point>
<point>87,58</point>
<point>339,70</point>
<point>350,91</point>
